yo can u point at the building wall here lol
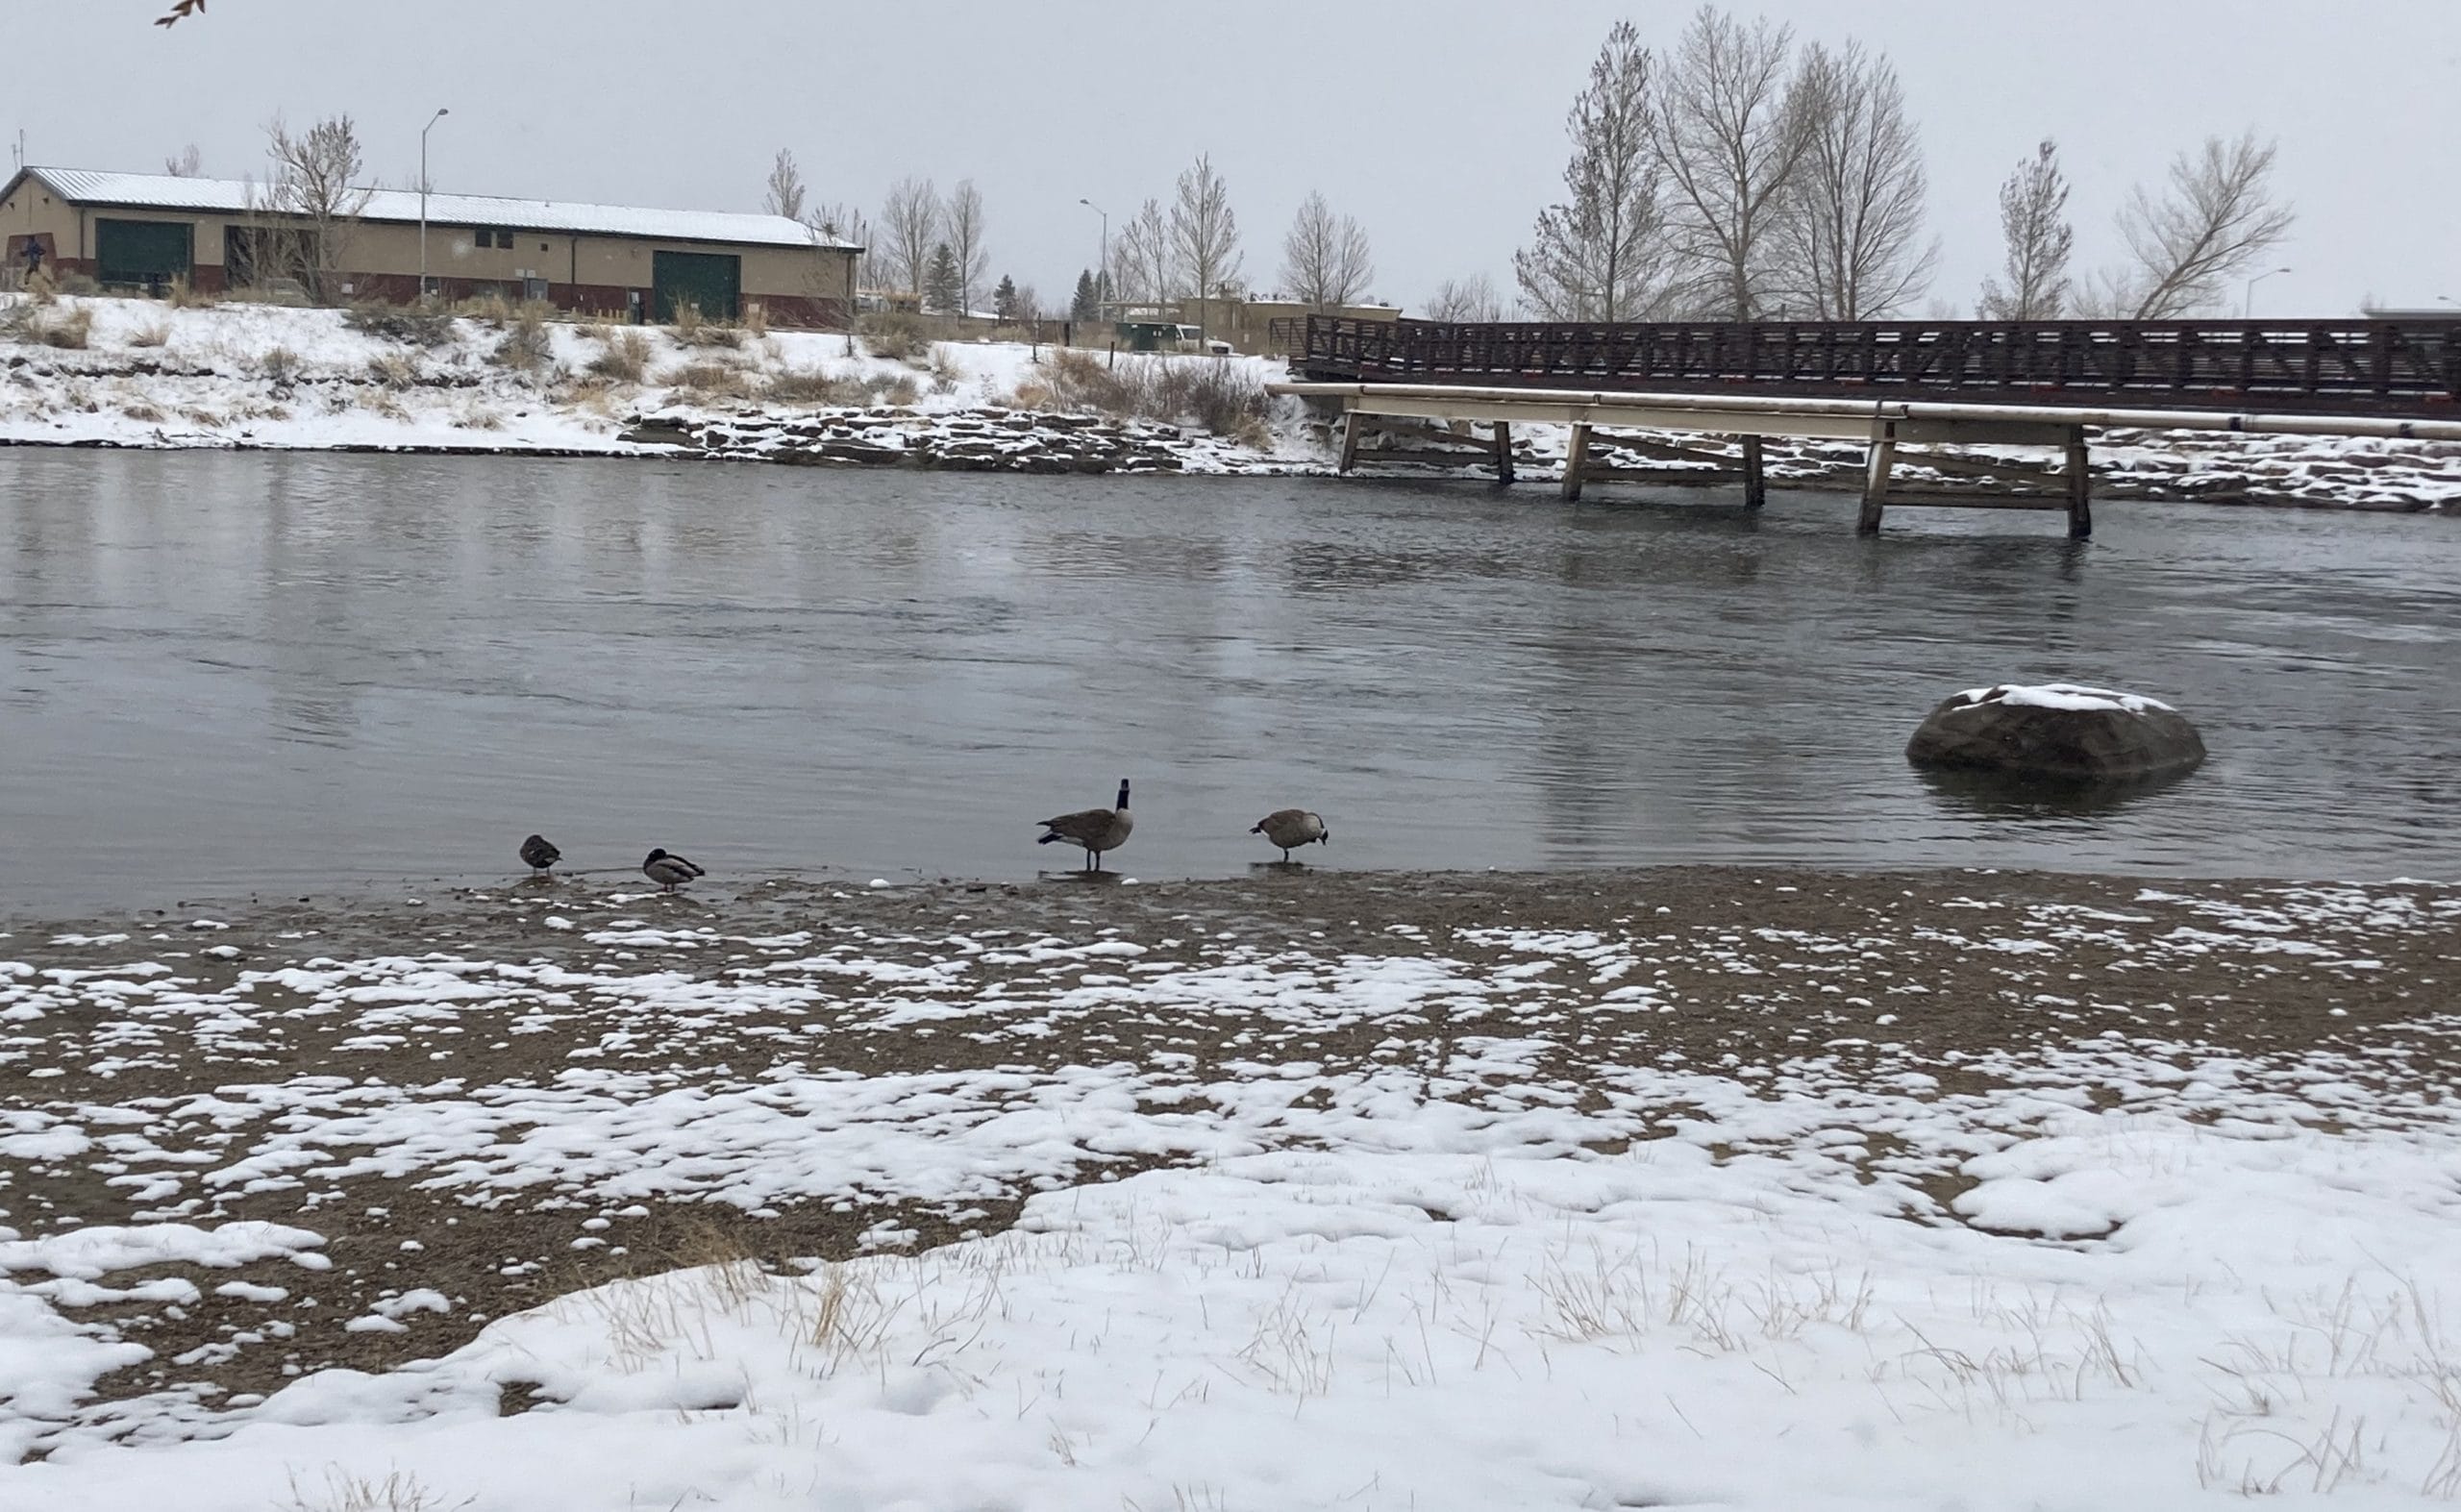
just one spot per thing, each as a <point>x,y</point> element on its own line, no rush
<point>796,285</point>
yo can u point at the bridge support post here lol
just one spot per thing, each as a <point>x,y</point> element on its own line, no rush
<point>1351,420</point>
<point>2080,487</point>
<point>1876,476</point>
<point>1756,481</point>
<point>1503,452</point>
<point>1576,463</point>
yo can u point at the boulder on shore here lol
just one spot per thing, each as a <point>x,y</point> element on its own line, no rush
<point>2057,732</point>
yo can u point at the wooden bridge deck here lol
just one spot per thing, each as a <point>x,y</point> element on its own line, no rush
<point>2373,367</point>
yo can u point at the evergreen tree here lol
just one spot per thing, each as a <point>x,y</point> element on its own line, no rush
<point>1003,299</point>
<point>1088,302</point>
<point>942,289</point>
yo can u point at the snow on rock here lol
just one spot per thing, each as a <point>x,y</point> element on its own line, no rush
<point>2059,731</point>
<point>2060,695</point>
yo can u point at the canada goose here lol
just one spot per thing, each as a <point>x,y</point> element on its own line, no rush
<point>669,872</point>
<point>1292,828</point>
<point>538,854</point>
<point>1097,830</point>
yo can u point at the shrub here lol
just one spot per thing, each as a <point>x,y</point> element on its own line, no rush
<point>67,329</point>
<point>280,365</point>
<point>897,338</point>
<point>394,369</point>
<point>158,334</point>
<point>488,310</point>
<point>626,358</point>
<point>756,320</point>
<point>694,329</point>
<point>712,381</point>
<point>1223,396</point>
<point>414,325</point>
<point>945,373</point>
<point>812,386</point>
<point>526,347</point>
<point>899,390</point>
<point>80,284</point>
<point>182,295</point>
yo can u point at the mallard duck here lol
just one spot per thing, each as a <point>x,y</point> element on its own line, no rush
<point>1097,830</point>
<point>669,872</point>
<point>538,854</point>
<point>1292,828</point>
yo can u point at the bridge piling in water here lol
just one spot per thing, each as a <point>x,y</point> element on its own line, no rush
<point>1576,463</point>
<point>1755,477</point>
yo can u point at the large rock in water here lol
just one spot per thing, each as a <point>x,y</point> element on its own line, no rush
<point>2058,733</point>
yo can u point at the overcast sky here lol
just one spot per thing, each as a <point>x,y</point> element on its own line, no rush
<point>1439,123</point>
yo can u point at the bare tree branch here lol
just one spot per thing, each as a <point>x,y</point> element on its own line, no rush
<point>2217,219</point>
<point>784,192</point>
<point>303,217</point>
<point>965,232</point>
<point>1325,260</point>
<point>1465,299</point>
<point>1145,266</point>
<point>910,229</point>
<point>1204,231</point>
<point>1730,135</point>
<point>180,12</point>
<point>186,164</point>
<point>2033,221</point>
<point>1851,238</point>
<point>1600,253</point>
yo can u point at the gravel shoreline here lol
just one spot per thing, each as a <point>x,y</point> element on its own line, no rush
<point>397,1078</point>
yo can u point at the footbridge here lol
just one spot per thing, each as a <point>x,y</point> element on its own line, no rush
<point>2035,385</point>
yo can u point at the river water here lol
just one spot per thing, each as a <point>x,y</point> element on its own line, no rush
<point>224,675</point>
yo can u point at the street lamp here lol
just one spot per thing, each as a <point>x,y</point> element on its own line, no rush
<point>2248,310</point>
<point>1102,269</point>
<point>440,113</point>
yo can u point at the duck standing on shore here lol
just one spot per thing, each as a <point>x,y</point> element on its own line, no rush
<point>539,855</point>
<point>1292,828</point>
<point>669,871</point>
<point>1097,830</point>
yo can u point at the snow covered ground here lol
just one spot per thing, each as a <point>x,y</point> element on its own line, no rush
<point>1665,1189</point>
<point>273,377</point>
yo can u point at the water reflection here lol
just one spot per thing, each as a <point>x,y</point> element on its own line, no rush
<point>225,672</point>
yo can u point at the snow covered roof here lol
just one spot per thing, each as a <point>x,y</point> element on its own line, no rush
<point>231,196</point>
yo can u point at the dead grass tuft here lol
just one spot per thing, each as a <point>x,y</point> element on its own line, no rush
<point>625,356</point>
<point>713,381</point>
<point>413,325</point>
<point>280,365</point>
<point>693,329</point>
<point>1217,394</point>
<point>158,334</point>
<point>812,386</point>
<point>46,323</point>
<point>183,295</point>
<point>394,369</point>
<point>526,347</point>
<point>895,337</point>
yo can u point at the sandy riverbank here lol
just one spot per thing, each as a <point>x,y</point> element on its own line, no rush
<point>449,1113</point>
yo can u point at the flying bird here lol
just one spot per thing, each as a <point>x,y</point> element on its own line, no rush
<point>1097,830</point>
<point>1292,828</point>
<point>669,872</point>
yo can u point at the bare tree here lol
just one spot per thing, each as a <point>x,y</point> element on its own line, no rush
<point>1729,134</point>
<point>910,229</point>
<point>846,224</point>
<point>1852,239</point>
<point>964,228</point>
<point>2217,217</point>
<point>785,194</point>
<point>2033,221</point>
<point>1145,267</point>
<point>304,215</point>
<point>1600,253</point>
<point>1325,259</point>
<point>1204,233</point>
<point>186,164</point>
<point>1465,299</point>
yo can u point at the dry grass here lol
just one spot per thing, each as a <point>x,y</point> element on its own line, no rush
<point>40,319</point>
<point>526,347</point>
<point>945,373</point>
<point>625,357</point>
<point>344,1491</point>
<point>394,369</point>
<point>1224,397</point>
<point>897,338</point>
<point>713,381</point>
<point>488,310</point>
<point>797,385</point>
<point>280,365</point>
<point>693,329</point>
<point>756,320</point>
<point>182,295</point>
<point>897,392</point>
<point>158,334</point>
<point>410,324</point>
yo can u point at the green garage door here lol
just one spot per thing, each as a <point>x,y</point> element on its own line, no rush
<point>147,253</point>
<point>709,280</point>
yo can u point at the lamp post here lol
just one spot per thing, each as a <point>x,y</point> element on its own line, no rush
<point>1102,268</point>
<point>440,113</point>
<point>2248,309</point>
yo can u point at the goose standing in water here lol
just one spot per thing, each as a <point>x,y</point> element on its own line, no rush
<point>1292,828</point>
<point>1097,830</point>
<point>669,872</point>
<point>539,855</point>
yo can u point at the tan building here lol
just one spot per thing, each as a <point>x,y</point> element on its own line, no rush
<point>145,230</point>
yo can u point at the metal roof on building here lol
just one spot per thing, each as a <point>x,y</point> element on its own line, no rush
<point>237,196</point>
